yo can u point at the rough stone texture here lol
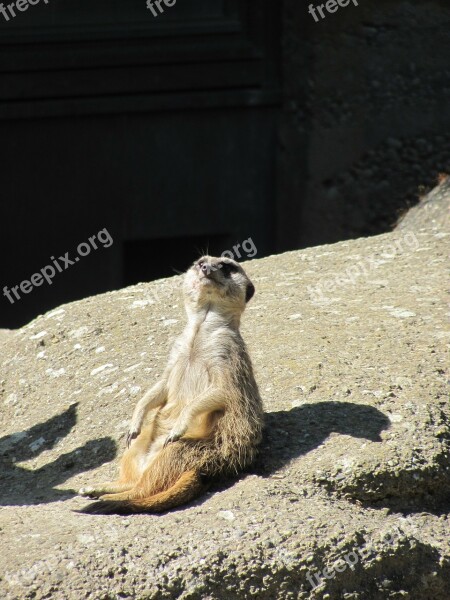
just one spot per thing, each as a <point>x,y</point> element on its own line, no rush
<point>432,211</point>
<point>366,118</point>
<point>350,344</point>
<point>4,334</point>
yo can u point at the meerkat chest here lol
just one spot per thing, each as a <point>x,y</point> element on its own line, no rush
<point>193,369</point>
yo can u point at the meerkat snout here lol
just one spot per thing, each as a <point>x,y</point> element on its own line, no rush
<point>220,281</point>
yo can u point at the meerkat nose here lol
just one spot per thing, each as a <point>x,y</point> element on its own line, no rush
<point>206,269</point>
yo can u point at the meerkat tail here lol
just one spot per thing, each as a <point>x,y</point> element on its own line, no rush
<point>187,487</point>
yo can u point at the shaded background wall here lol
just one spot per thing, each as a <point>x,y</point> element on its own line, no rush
<point>218,121</point>
<point>365,124</point>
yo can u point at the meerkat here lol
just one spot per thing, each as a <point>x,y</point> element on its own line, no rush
<point>204,417</point>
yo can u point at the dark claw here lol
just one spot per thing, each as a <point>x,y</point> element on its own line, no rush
<point>132,435</point>
<point>170,439</point>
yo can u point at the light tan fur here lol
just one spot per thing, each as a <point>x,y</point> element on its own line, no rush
<point>204,417</point>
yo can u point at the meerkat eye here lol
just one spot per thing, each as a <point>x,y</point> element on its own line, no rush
<point>228,268</point>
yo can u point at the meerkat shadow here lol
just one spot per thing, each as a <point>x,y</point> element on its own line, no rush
<point>289,434</point>
<point>25,485</point>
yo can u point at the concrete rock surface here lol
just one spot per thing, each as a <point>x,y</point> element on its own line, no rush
<point>4,334</point>
<point>351,490</point>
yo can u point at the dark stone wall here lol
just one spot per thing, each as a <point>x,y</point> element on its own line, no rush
<point>161,131</point>
<point>365,124</point>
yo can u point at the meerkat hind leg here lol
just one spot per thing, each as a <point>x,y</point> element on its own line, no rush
<point>105,488</point>
<point>187,487</point>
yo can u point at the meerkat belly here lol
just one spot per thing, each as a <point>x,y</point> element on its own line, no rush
<point>188,380</point>
<point>200,428</point>
<point>204,425</point>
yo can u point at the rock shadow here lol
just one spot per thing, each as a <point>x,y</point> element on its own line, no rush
<point>23,486</point>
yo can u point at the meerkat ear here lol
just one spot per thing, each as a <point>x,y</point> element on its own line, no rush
<point>250,292</point>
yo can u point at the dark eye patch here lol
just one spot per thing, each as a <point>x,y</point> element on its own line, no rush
<point>228,268</point>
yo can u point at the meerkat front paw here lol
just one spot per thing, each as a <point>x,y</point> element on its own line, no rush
<point>174,436</point>
<point>170,439</point>
<point>132,435</point>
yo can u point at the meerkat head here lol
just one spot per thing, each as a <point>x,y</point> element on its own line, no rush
<point>219,282</point>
